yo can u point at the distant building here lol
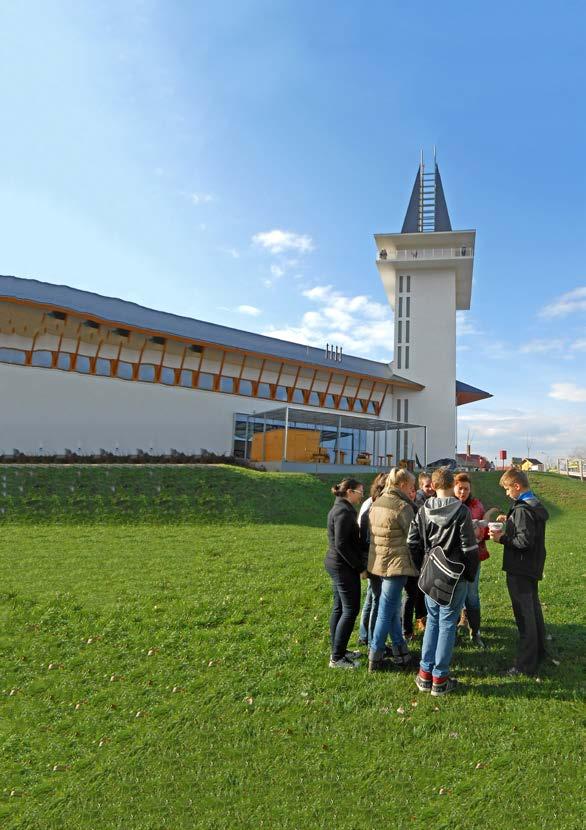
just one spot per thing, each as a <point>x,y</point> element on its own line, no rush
<point>472,462</point>
<point>532,465</point>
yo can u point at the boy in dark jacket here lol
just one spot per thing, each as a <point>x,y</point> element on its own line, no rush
<point>523,540</point>
<point>443,521</point>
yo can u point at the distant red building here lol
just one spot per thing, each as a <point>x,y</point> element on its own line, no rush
<point>472,461</point>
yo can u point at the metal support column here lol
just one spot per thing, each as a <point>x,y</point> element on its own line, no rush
<point>338,435</point>
<point>264,437</point>
<point>286,433</point>
<point>246,439</point>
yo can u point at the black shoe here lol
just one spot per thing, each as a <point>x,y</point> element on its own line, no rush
<point>515,672</point>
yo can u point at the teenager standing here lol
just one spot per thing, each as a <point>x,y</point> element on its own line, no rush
<point>523,540</point>
<point>345,562</point>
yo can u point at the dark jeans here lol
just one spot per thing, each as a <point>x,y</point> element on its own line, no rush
<point>413,600</point>
<point>523,591</point>
<point>346,585</point>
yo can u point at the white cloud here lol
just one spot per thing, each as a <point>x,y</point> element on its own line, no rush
<point>277,271</point>
<point>567,303</point>
<point>568,392</point>
<point>201,198</point>
<point>277,241</point>
<point>465,325</point>
<point>233,252</point>
<point>251,310</point>
<point>579,345</point>
<point>542,346</point>
<point>357,323</point>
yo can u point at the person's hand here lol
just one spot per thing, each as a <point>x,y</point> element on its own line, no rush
<point>495,535</point>
<point>364,575</point>
<point>479,533</point>
<point>501,518</point>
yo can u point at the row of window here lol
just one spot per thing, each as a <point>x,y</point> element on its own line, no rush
<point>150,373</point>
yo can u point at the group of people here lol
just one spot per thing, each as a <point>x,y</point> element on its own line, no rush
<point>387,543</point>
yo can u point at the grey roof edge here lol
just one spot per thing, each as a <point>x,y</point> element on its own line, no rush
<point>124,312</point>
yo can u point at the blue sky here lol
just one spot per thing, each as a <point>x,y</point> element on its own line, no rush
<point>231,161</point>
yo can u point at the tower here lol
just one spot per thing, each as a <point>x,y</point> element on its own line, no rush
<point>426,272</point>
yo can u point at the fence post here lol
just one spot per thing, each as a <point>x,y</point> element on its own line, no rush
<point>581,469</point>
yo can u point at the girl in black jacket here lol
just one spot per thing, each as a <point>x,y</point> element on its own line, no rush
<point>345,563</point>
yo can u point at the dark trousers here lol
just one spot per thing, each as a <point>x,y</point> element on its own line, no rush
<point>346,586</point>
<point>523,591</point>
<point>413,600</point>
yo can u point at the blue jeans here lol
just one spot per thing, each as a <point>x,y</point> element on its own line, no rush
<point>472,599</point>
<point>440,632</point>
<point>364,632</point>
<point>387,606</point>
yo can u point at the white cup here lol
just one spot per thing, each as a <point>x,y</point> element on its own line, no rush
<point>494,527</point>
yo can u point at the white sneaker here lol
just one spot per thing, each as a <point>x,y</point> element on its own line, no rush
<point>342,663</point>
<point>354,655</point>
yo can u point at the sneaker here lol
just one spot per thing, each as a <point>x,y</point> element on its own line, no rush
<point>342,663</point>
<point>443,688</point>
<point>401,656</point>
<point>378,662</point>
<point>354,655</point>
<point>515,672</point>
<point>422,684</point>
<point>477,640</point>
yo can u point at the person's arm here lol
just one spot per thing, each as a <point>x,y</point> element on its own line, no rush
<point>365,531</point>
<point>519,530</point>
<point>468,545</point>
<point>405,518</point>
<point>347,540</point>
<point>415,539</point>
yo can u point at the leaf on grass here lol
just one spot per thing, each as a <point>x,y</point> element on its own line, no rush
<point>249,700</point>
<point>444,791</point>
<point>401,710</point>
<point>60,767</point>
<point>140,714</point>
<point>13,692</point>
<point>152,651</point>
<point>480,765</point>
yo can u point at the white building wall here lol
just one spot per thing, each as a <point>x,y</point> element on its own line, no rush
<point>432,361</point>
<point>57,410</point>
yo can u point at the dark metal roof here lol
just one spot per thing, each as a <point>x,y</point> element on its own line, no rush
<point>124,313</point>
<point>413,222</point>
<point>468,394</point>
<point>319,417</point>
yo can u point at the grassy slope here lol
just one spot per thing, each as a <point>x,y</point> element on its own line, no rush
<point>257,732</point>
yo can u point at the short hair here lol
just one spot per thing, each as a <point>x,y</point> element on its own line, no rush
<point>423,477</point>
<point>378,485</point>
<point>442,479</point>
<point>398,476</point>
<point>462,478</point>
<point>514,476</point>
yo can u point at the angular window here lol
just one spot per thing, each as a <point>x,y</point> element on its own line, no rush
<point>358,405</point>
<point>298,396</point>
<point>245,387</point>
<point>282,393</point>
<point>226,384</point>
<point>64,361</point>
<point>167,375</point>
<point>186,378</point>
<point>400,331</point>
<point>124,370</point>
<point>329,401</point>
<point>263,391</point>
<point>372,408</point>
<point>12,356</point>
<point>344,403</point>
<point>103,367</point>
<point>408,304</point>
<point>407,331</point>
<point>205,381</point>
<point>400,314</point>
<point>409,284</point>
<point>42,358</point>
<point>401,284</point>
<point>406,409</point>
<point>82,364</point>
<point>146,371</point>
<point>398,357</point>
<point>313,399</point>
<point>406,357</point>
<point>398,410</point>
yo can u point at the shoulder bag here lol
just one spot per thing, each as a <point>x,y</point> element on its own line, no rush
<point>439,575</point>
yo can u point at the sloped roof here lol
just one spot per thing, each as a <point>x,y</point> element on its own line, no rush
<point>468,394</point>
<point>123,313</point>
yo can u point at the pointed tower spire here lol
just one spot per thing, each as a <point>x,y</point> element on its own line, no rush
<point>427,210</point>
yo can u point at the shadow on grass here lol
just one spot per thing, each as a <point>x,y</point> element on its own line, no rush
<point>560,682</point>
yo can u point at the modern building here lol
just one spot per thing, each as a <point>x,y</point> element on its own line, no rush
<point>84,372</point>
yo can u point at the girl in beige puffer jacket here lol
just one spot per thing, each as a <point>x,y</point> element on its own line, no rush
<point>389,565</point>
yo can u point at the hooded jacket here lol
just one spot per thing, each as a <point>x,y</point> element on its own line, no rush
<point>390,518</point>
<point>448,523</point>
<point>524,538</point>
<point>345,545</point>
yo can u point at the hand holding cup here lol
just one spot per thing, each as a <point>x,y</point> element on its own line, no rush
<point>495,530</point>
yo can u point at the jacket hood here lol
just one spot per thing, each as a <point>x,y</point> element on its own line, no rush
<point>441,511</point>
<point>536,506</point>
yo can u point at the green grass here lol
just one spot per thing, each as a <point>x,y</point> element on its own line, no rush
<point>219,575</point>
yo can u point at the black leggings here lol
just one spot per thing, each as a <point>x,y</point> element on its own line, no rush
<point>413,600</point>
<point>346,586</point>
